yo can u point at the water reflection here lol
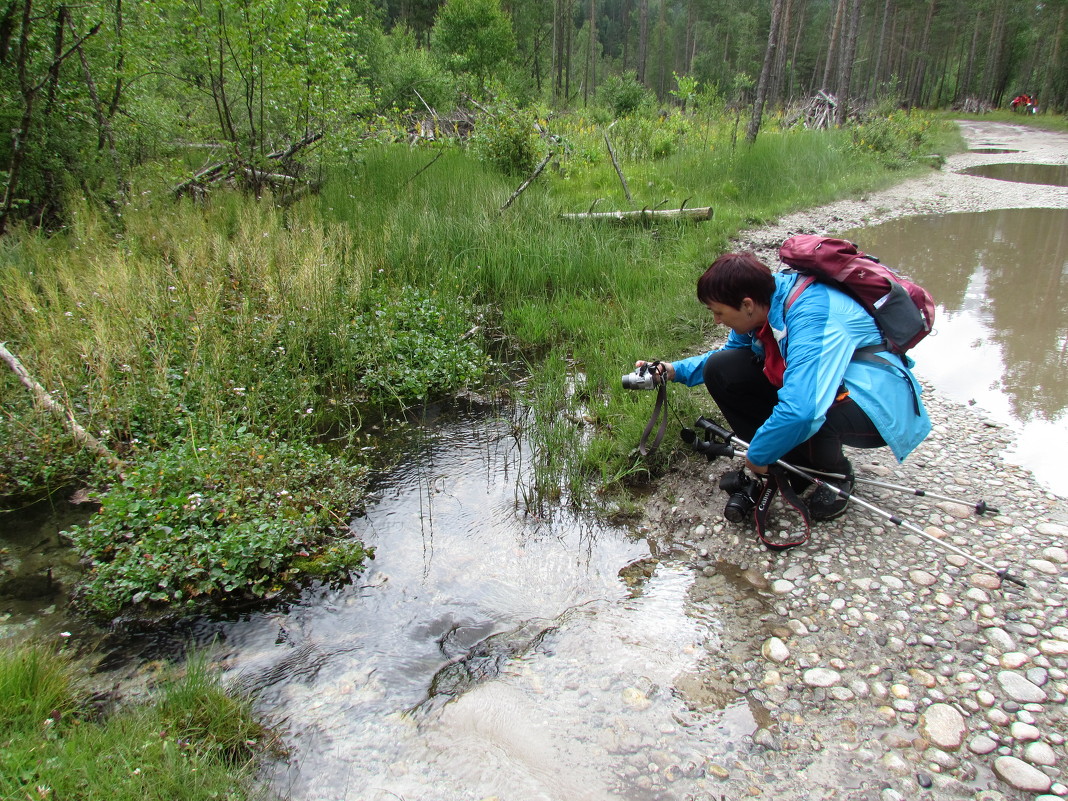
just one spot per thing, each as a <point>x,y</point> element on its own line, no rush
<point>1048,174</point>
<point>1001,336</point>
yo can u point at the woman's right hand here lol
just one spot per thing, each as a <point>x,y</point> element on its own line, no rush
<point>666,370</point>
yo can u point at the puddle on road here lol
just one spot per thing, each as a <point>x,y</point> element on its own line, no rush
<point>992,150</point>
<point>1000,279</point>
<point>1048,174</point>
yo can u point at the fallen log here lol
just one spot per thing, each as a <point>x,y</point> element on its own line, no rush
<point>645,216</point>
<point>529,181</point>
<point>42,397</point>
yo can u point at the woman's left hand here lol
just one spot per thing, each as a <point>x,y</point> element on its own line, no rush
<point>760,469</point>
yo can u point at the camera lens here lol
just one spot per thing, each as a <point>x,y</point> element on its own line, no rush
<point>738,507</point>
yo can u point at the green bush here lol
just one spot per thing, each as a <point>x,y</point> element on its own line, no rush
<point>895,140</point>
<point>509,141</point>
<point>223,520</point>
<point>624,95</point>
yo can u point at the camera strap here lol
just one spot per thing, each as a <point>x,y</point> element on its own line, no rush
<point>659,411</point>
<point>777,481</point>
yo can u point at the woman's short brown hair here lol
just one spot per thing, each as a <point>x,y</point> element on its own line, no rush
<point>733,277</point>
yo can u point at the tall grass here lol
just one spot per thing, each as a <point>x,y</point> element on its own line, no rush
<point>190,740</point>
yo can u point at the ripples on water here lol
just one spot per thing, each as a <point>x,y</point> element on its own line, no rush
<point>484,652</point>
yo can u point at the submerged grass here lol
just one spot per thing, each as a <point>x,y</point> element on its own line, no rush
<point>191,740</point>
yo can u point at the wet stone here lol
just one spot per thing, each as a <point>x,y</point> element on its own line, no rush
<point>922,578</point>
<point>981,744</point>
<point>1053,647</point>
<point>944,726</point>
<point>821,677</point>
<point>1024,732</point>
<point>1019,689</point>
<point>775,650</point>
<point>1040,753</point>
<point>1017,773</point>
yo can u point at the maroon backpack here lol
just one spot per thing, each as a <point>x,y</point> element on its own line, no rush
<point>903,310</point>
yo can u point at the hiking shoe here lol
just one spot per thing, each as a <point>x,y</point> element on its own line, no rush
<point>825,503</point>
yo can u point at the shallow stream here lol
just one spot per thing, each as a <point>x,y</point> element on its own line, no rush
<point>485,652</point>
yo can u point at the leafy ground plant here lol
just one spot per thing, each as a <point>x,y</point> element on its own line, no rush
<point>191,740</point>
<point>234,519</point>
<point>412,344</point>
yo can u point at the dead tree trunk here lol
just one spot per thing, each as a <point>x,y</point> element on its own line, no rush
<point>765,72</point>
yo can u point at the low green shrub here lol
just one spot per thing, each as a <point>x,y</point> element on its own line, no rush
<point>411,344</point>
<point>624,95</point>
<point>897,139</point>
<point>509,141</point>
<point>222,520</point>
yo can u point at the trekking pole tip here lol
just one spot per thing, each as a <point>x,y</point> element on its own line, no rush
<point>1004,575</point>
<point>982,508</point>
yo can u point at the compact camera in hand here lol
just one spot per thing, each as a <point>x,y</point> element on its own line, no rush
<point>645,377</point>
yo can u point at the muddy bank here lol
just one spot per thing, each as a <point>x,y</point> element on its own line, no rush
<point>890,667</point>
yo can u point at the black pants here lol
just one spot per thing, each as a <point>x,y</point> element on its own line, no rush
<point>736,381</point>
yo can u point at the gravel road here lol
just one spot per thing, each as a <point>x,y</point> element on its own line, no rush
<point>883,665</point>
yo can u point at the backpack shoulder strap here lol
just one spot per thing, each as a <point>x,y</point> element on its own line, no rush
<point>803,283</point>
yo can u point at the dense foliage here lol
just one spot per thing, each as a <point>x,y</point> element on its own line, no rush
<point>237,517</point>
<point>263,92</point>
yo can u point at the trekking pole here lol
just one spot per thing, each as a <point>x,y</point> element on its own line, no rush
<point>726,437</point>
<point>980,508</point>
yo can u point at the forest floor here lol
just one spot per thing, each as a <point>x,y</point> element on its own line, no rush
<point>881,665</point>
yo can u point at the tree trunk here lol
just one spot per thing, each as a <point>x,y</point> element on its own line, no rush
<point>644,215</point>
<point>919,73</point>
<point>778,71</point>
<point>881,47</point>
<point>832,46</point>
<point>643,38</point>
<point>765,72</point>
<point>845,73</point>
<point>792,89</point>
<point>1046,95</point>
<point>22,133</point>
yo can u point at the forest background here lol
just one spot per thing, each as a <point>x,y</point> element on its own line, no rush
<point>244,239</point>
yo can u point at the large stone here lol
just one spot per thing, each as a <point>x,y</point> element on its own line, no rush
<point>1053,647</point>
<point>775,650</point>
<point>943,726</point>
<point>1019,774</point>
<point>1019,689</point>
<point>1040,753</point>
<point>821,677</point>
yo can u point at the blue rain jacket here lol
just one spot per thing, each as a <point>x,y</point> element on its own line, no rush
<point>818,337</point>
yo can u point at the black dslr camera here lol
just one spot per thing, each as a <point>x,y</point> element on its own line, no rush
<point>744,491</point>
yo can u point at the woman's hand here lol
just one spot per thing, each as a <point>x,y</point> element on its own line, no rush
<point>759,469</point>
<point>665,370</point>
